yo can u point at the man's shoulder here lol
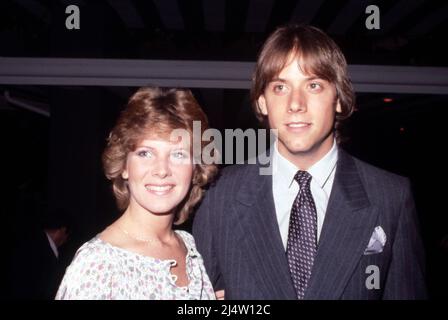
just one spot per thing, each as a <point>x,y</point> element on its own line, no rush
<point>379,177</point>
<point>238,171</point>
<point>235,179</point>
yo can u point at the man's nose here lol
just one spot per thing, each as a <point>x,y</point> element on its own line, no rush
<point>297,101</point>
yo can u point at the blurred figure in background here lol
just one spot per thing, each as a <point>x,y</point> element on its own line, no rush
<point>37,262</point>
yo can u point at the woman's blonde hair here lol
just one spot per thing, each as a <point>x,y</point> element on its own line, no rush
<point>159,111</point>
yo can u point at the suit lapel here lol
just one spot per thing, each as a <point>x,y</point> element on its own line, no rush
<point>348,224</point>
<point>265,249</point>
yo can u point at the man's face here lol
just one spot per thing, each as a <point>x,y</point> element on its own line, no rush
<point>302,108</point>
<point>60,236</point>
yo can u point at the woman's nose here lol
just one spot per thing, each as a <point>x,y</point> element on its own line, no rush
<point>161,168</point>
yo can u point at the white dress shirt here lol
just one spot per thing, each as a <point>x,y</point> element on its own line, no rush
<point>285,188</point>
<point>53,246</point>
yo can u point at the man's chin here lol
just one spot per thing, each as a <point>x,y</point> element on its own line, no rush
<point>297,149</point>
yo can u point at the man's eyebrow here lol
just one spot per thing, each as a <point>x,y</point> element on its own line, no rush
<point>277,79</point>
<point>312,77</point>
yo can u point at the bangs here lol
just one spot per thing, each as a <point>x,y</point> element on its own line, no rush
<point>310,63</point>
<point>273,62</point>
<point>316,63</point>
<point>317,54</point>
<point>156,131</point>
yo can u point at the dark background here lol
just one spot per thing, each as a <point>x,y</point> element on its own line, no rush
<point>53,161</point>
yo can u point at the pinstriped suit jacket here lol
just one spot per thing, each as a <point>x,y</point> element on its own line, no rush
<point>236,232</point>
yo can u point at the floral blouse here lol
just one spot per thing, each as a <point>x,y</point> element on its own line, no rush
<point>100,271</point>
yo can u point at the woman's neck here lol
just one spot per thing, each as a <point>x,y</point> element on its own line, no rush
<point>144,224</point>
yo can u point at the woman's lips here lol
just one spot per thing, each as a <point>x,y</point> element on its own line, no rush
<point>159,189</point>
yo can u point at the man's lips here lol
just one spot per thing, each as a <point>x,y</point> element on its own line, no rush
<point>298,125</point>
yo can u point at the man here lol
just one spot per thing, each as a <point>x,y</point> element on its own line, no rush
<point>324,225</point>
<point>36,266</point>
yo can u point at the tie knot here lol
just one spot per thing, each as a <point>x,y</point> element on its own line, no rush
<point>303,178</point>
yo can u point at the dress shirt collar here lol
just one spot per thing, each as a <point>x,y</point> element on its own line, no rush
<point>320,171</point>
<point>53,246</point>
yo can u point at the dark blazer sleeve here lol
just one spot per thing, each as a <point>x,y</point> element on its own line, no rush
<point>406,276</point>
<point>203,231</point>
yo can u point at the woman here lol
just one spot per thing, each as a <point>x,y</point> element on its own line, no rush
<point>156,183</point>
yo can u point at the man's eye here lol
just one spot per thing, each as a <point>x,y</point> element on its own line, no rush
<point>279,88</point>
<point>315,86</point>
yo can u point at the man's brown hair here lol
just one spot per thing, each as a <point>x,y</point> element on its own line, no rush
<point>318,55</point>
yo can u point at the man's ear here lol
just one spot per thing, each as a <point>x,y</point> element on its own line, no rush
<point>261,104</point>
<point>338,106</point>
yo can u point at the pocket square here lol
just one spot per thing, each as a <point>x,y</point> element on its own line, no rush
<point>376,242</point>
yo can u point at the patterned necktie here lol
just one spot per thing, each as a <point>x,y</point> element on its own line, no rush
<point>302,235</point>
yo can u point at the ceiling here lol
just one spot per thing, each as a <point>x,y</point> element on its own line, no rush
<point>412,32</point>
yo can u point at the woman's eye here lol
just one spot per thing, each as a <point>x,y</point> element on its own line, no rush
<point>180,155</point>
<point>144,154</point>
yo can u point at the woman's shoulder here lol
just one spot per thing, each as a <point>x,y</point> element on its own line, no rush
<point>188,241</point>
<point>94,253</point>
<point>91,268</point>
<point>93,247</point>
<point>186,236</point>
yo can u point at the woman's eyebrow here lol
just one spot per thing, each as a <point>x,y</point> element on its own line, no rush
<point>181,148</point>
<point>144,146</point>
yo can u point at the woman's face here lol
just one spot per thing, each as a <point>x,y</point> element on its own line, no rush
<point>159,174</point>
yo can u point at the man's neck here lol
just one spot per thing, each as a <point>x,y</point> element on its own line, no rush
<point>305,160</point>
